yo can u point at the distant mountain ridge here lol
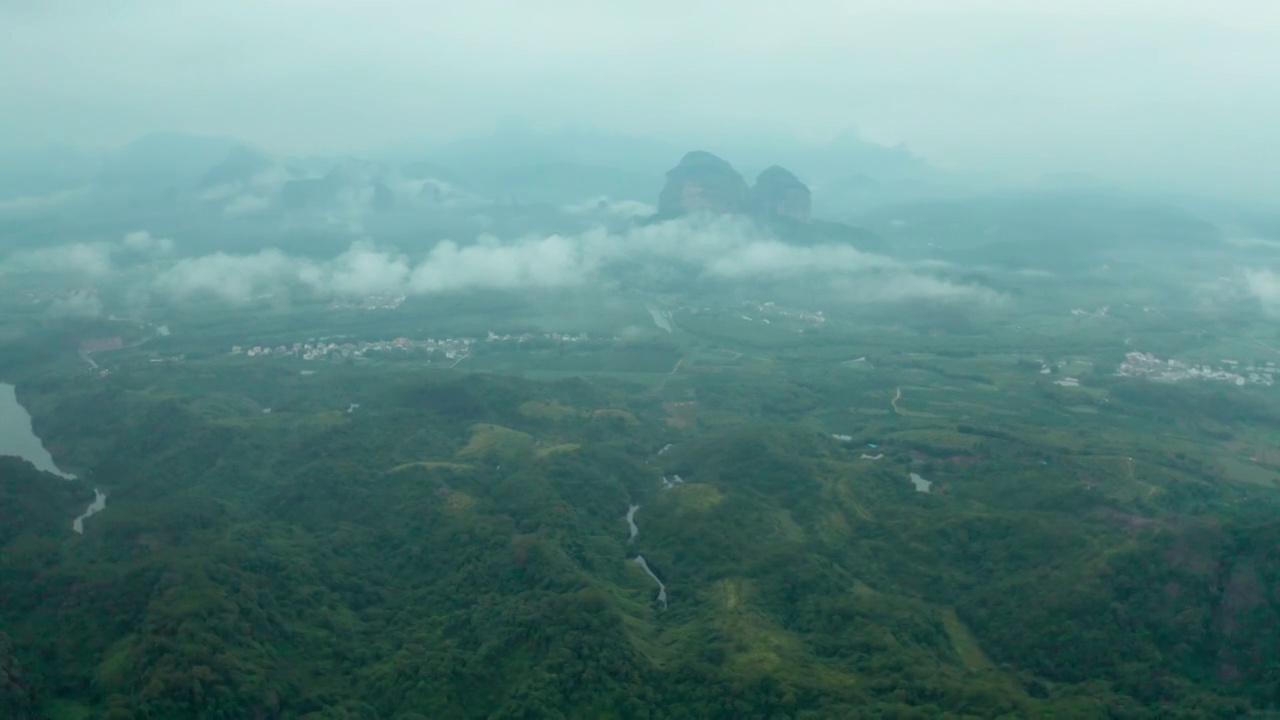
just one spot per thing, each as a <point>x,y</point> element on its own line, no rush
<point>513,164</point>
<point>221,193</point>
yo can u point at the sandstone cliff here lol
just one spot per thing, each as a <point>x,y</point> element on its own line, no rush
<point>703,182</point>
<point>780,194</point>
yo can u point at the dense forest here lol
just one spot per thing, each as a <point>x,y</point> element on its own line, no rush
<point>456,546</point>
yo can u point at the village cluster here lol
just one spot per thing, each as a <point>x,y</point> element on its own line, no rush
<point>372,302</point>
<point>450,348</point>
<point>1140,364</point>
<point>772,308</point>
<point>765,310</point>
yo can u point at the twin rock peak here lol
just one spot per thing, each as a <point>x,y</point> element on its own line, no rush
<point>704,183</point>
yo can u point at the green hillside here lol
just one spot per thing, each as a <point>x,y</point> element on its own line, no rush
<point>457,548</point>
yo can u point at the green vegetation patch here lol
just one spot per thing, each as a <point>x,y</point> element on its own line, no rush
<point>965,644</point>
<point>558,449</point>
<point>457,547</point>
<point>695,497</point>
<point>544,410</point>
<point>431,465</point>
<point>496,441</point>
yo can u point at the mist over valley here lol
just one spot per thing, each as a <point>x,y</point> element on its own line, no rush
<point>382,362</point>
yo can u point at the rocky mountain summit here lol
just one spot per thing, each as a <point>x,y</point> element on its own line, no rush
<point>705,183</point>
<point>780,194</point>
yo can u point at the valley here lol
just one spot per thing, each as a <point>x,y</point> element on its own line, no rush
<point>844,522</point>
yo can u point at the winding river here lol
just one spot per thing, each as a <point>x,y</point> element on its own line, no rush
<point>18,438</point>
<point>639,559</point>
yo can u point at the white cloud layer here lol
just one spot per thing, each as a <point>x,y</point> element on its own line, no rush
<point>1265,286</point>
<point>142,241</point>
<point>78,304</point>
<point>27,203</point>
<point>230,277</point>
<point>720,249</point>
<point>605,206</point>
<point>91,260</point>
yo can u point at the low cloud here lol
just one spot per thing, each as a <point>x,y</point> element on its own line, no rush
<point>1248,241</point>
<point>1264,285</point>
<point>718,249</point>
<point>91,260</point>
<point>235,278</point>
<point>345,201</point>
<point>33,203</point>
<point>88,260</point>
<point>78,304</point>
<point>245,204</point>
<point>604,206</point>
<point>362,270</point>
<point>553,261</point>
<point>266,181</point>
<point>777,260</point>
<point>142,241</point>
<point>907,285</point>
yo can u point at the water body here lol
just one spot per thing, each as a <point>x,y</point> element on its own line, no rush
<point>660,318</point>
<point>921,484</point>
<point>662,589</point>
<point>631,521</point>
<point>17,438</point>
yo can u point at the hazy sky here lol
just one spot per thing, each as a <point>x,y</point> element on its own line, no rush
<point>1131,88</point>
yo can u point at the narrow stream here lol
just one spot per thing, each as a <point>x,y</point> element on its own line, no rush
<point>631,521</point>
<point>662,589</point>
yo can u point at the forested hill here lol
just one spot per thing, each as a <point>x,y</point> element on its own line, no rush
<point>456,546</point>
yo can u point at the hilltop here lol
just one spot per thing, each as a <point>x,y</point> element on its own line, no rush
<point>705,183</point>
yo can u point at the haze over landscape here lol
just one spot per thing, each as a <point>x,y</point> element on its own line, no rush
<point>399,360</point>
<point>1178,95</point>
